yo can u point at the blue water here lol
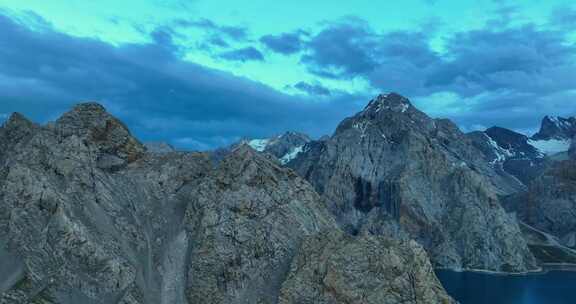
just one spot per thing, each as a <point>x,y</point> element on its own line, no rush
<point>554,287</point>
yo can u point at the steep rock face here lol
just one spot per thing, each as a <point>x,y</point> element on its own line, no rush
<point>336,268</point>
<point>510,152</point>
<point>246,222</point>
<point>549,205</point>
<point>88,212</point>
<point>559,128</point>
<point>87,215</point>
<point>391,161</point>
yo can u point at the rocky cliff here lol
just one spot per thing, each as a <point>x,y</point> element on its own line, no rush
<point>88,215</point>
<point>393,170</point>
<point>554,127</point>
<point>549,204</point>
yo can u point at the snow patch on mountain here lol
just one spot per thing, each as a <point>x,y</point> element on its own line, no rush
<point>291,155</point>
<point>551,146</point>
<point>259,144</point>
<point>501,153</point>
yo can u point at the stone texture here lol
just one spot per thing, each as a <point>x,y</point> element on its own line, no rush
<point>87,215</point>
<point>509,152</point>
<point>553,127</point>
<point>159,147</point>
<point>425,174</point>
<point>246,222</point>
<point>336,268</point>
<point>549,205</point>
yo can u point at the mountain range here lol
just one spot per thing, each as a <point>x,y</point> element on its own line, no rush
<point>89,214</point>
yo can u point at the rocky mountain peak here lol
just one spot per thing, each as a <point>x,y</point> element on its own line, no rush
<point>389,102</point>
<point>91,122</point>
<point>16,128</point>
<point>86,116</point>
<point>388,115</point>
<point>555,127</point>
<point>503,135</point>
<point>17,120</point>
<point>391,165</point>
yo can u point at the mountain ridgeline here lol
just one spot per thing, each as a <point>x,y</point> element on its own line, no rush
<point>88,214</point>
<point>393,170</point>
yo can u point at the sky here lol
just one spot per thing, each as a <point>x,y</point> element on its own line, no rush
<point>200,74</point>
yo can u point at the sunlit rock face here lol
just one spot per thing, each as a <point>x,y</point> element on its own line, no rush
<point>393,170</point>
<point>90,215</point>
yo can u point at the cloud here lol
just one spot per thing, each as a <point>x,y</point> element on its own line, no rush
<point>564,17</point>
<point>150,87</point>
<point>504,74</point>
<point>342,50</point>
<point>312,89</point>
<point>243,54</point>
<point>286,43</point>
<point>234,32</point>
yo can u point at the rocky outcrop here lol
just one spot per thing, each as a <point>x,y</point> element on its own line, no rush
<point>549,204</point>
<point>510,152</point>
<point>284,147</point>
<point>336,268</point>
<point>391,161</point>
<point>90,214</point>
<point>87,215</point>
<point>247,221</point>
<point>558,128</point>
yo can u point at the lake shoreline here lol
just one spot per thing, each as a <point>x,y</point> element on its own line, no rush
<point>542,270</point>
<point>553,284</point>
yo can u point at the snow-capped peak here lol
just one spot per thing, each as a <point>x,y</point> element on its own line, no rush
<point>390,102</point>
<point>259,144</point>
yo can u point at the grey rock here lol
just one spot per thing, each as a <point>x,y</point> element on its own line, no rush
<point>87,215</point>
<point>549,205</point>
<point>336,268</point>
<point>246,222</point>
<point>509,152</point>
<point>284,147</point>
<point>426,175</point>
<point>553,127</point>
<point>159,147</point>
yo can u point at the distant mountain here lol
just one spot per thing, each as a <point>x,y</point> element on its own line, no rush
<point>510,152</point>
<point>541,162</point>
<point>393,170</point>
<point>285,147</point>
<point>549,206</point>
<point>558,128</point>
<point>89,215</point>
<point>522,156</point>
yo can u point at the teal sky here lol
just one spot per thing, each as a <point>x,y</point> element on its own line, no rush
<point>203,73</point>
<point>130,21</point>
